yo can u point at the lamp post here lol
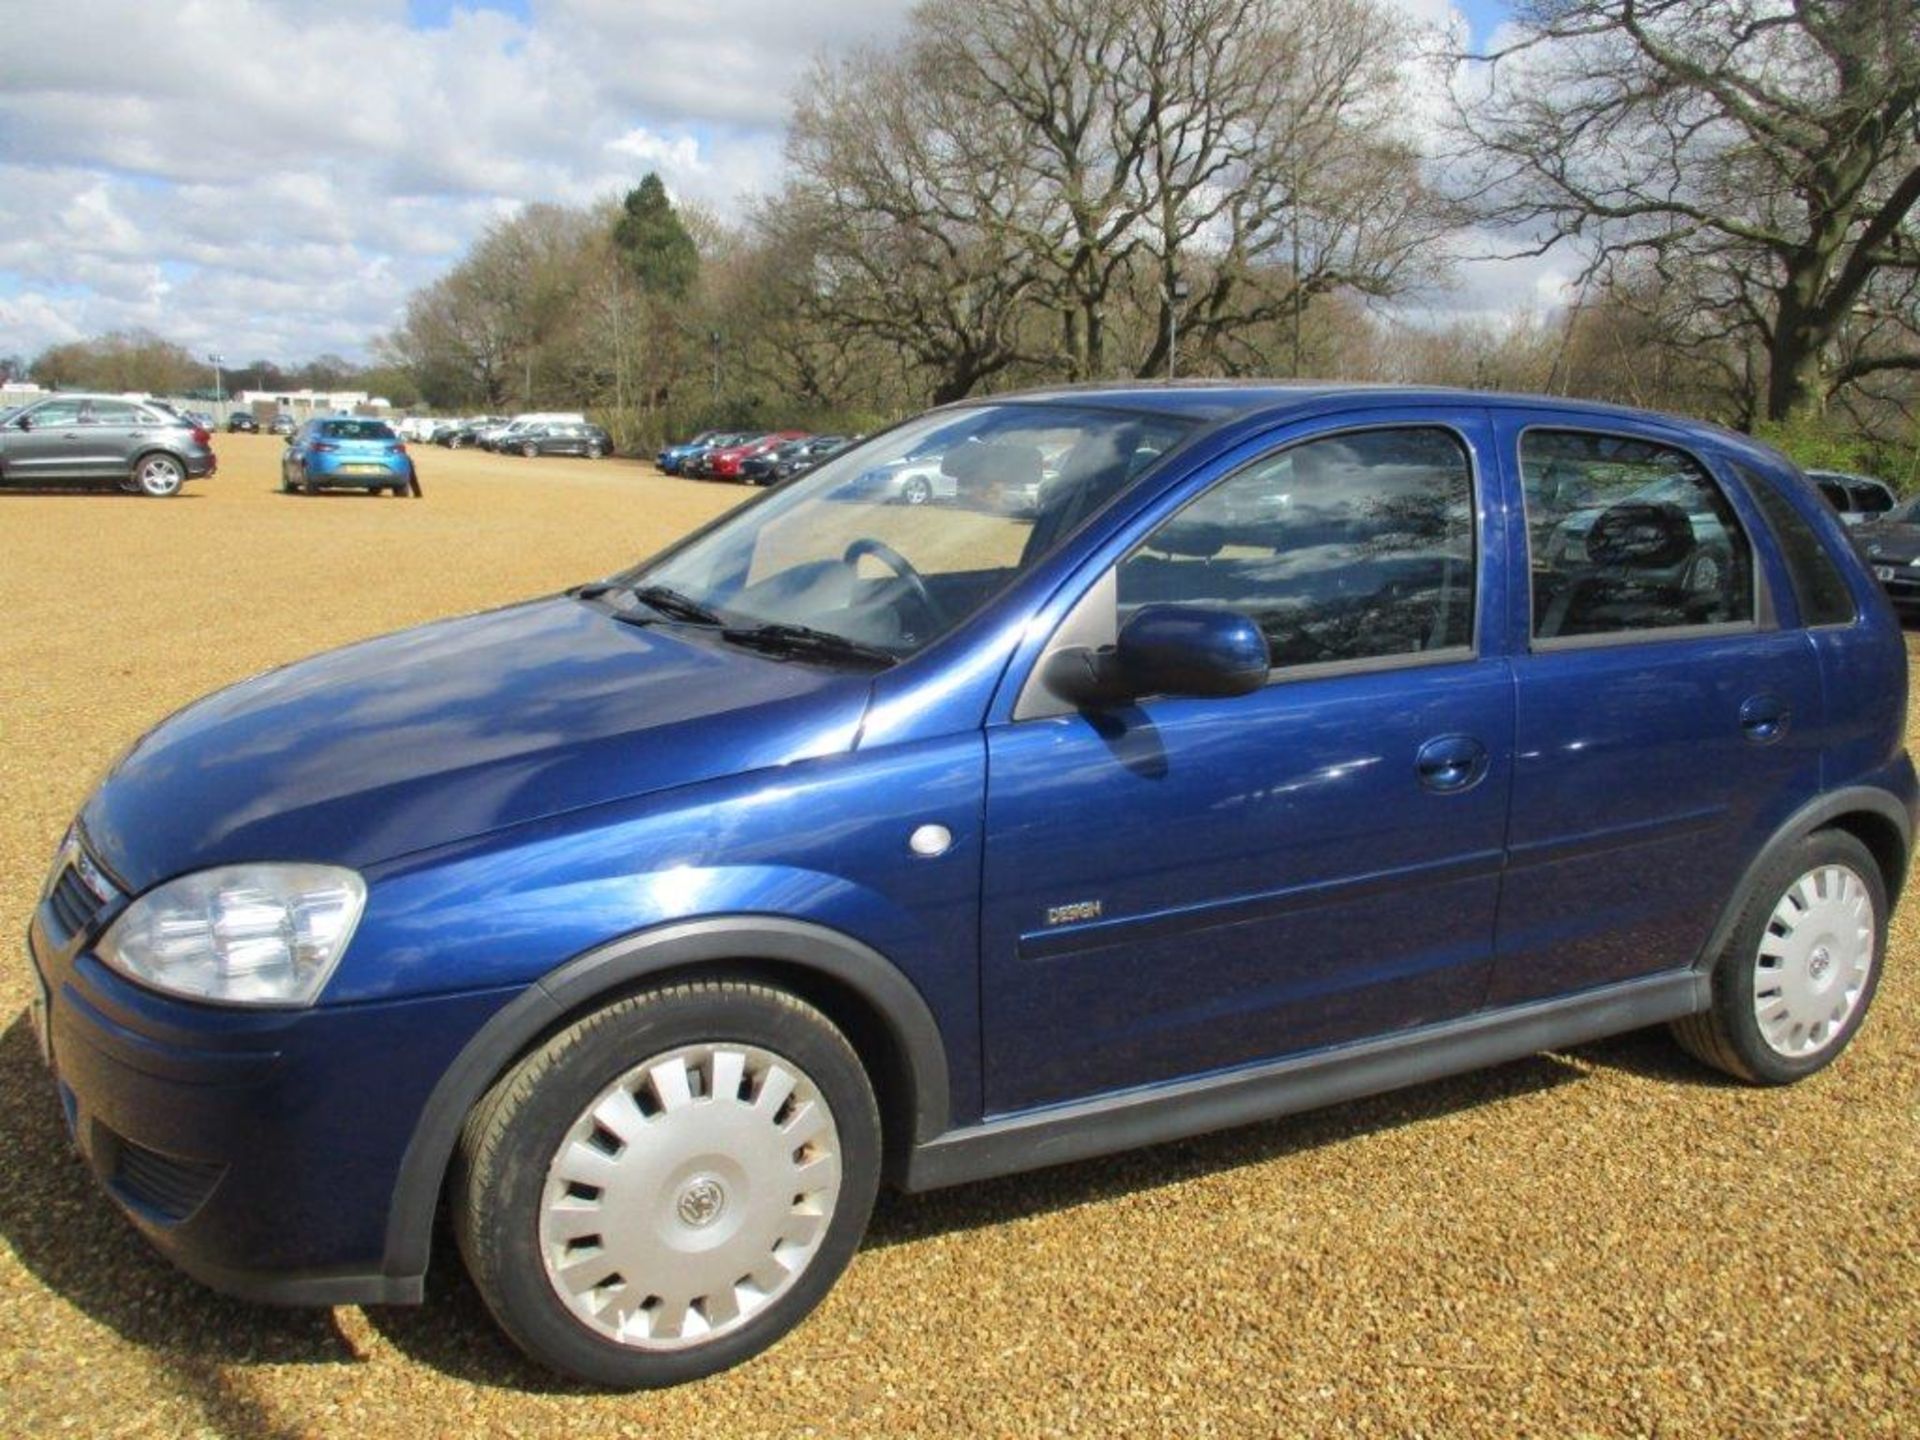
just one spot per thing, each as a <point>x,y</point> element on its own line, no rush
<point>1177,292</point>
<point>713,339</point>
<point>219,397</point>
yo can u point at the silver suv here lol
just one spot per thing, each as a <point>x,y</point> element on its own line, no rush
<point>141,446</point>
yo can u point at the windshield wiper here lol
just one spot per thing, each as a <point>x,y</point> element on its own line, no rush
<point>674,605</point>
<point>778,639</point>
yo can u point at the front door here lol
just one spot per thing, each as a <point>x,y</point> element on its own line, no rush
<point>1187,885</point>
<point>50,448</point>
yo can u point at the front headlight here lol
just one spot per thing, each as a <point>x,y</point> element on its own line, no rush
<point>241,934</point>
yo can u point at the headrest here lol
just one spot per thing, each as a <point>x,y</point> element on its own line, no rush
<point>1640,535</point>
<point>988,463</point>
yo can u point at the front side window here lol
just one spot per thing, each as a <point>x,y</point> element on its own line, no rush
<point>56,412</point>
<point>1627,535</point>
<point>1352,547</point>
<point>892,544</point>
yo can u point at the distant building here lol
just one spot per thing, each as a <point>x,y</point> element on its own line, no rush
<point>305,404</point>
<point>18,392</point>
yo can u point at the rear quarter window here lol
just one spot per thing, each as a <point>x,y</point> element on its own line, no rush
<point>1819,588</point>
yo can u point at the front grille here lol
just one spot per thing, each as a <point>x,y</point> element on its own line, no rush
<point>72,903</point>
<point>172,1189</point>
<point>80,889</point>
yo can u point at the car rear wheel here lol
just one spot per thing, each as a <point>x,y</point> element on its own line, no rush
<point>670,1184</point>
<point>595,451</point>
<point>916,491</point>
<point>159,475</point>
<point>1793,983</point>
<point>529,450</point>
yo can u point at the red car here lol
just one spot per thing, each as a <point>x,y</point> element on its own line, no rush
<point>725,464</point>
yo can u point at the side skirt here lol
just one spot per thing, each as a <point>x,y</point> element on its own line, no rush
<point>1061,1134</point>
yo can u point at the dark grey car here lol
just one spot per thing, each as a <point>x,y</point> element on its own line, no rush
<point>78,439</point>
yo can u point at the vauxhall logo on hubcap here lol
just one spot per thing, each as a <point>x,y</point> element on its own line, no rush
<point>701,1202</point>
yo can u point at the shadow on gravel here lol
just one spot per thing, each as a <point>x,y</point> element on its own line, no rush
<point>454,1334</point>
<point>70,1237</point>
<point>11,490</point>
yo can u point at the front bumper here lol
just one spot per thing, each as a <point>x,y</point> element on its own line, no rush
<point>257,1150</point>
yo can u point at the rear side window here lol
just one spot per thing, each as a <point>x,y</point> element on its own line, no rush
<point>1818,586</point>
<point>1353,547</point>
<point>1626,535</point>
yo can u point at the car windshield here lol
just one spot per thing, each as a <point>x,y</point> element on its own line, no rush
<point>889,552</point>
<point>356,430</point>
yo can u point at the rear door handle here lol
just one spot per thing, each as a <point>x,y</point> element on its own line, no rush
<point>1764,718</point>
<point>1450,763</point>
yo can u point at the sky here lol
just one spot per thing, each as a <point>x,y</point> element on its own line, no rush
<point>273,178</point>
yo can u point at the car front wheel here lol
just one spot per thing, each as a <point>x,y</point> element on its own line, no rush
<point>669,1184</point>
<point>1793,983</point>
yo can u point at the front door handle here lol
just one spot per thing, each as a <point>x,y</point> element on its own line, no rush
<point>1764,718</point>
<point>1451,763</point>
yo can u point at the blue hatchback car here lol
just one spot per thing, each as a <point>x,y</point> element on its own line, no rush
<point>338,452</point>
<point>1292,747</point>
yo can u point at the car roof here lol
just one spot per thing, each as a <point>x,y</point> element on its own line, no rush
<point>1219,400</point>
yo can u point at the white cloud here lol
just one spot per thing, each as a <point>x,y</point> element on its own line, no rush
<point>275,177</point>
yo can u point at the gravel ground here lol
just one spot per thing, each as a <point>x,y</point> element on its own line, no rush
<point>1608,1241</point>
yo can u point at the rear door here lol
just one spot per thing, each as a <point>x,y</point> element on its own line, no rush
<point>112,433</point>
<point>1665,723</point>
<point>1185,885</point>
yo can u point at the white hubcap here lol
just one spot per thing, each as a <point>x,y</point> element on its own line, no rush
<point>689,1194</point>
<point>1814,961</point>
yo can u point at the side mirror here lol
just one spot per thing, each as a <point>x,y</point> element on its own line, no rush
<point>1176,650</point>
<point>287,439</point>
<point>25,422</point>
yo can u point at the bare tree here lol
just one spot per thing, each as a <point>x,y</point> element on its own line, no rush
<point>901,221</point>
<point>1759,157</point>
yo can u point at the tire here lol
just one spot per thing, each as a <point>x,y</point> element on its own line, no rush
<point>1796,977</point>
<point>159,475</point>
<point>916,491</point>
<point>594,452</point>
<point>529,450</point>
<point>286,482</point>
<point>668,1100</point>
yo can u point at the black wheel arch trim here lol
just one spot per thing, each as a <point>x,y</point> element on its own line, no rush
<point>613,967</point>
<point>1817,814</point>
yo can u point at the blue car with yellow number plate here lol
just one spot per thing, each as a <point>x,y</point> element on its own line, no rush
<point>345,452</point>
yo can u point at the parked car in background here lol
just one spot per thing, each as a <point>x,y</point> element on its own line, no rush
<point>241,422</point>
<point>85,439</point>
<point>912,479</point>
<point>796,457</point>
<point>643,929</point>
<point>1856,497</point>
<point>724,463</point>
<point>1890,544</point>
<point>673,457</point>
<point>507,436</point>
<point>459,434</point>
<point>560,438</point>
<point>344,452</point>
<point>281,424</point>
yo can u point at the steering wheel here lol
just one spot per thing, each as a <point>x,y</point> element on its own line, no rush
<point>901,567</point>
